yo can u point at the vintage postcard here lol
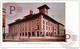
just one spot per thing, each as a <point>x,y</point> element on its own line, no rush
<point>40,24</point>
<point>26,22</point>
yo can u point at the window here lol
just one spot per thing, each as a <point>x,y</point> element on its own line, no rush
<point>37,21</point>
<point>25,33</point>
<point>32,22</point>
<point>46,23</point>
<point>33,34</point>
<point>49,28</point>
<point>25,28</point>
<point>46,27</point>
<point>29,34</point>
<point>28,28</point>
<point>55,32</point>
<point>32,28</point>
<point>55,29</point>
<point>38,34</point>
<point>46,33</point>
<point>43,22</point>
<point>38,27</point>
<point>49,23</point>
<point>49,33</point>
<point>20,34</point>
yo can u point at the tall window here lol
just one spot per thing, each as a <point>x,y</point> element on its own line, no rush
<point>38,34</point>
<point>32,22</point>
<point>43,22</point>
<point>25,33</point>
<point>49,23</point>
<point>37,21</point>
<point>29,34</point>
<point>33,34</point>
<point>20,34</point>
<point>46,33</point>
<point>49,28</point>
<point>43,26</point>
<point>25,28</point>
<point>46,27</point>
<point>32,28</point>
<point>46,23</point>
<point>38,27</point>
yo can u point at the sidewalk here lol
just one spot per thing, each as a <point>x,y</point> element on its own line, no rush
<point>46,38</point>
<point>32,39</point>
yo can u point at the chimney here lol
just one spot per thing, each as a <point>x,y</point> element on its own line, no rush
<point>31,12</point>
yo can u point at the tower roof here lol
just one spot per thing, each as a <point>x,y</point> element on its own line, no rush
<point>41,7</point>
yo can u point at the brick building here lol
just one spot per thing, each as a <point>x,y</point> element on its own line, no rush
<point>37,25</point>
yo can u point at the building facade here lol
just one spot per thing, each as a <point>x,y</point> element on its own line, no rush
<point>37,25</point>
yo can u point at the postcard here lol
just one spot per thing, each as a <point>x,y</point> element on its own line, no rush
<point>40,24</point>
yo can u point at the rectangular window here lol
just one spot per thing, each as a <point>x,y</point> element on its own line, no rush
<point>25,33</point>
<point>38,34</point>
<point>49,28</point>
<point>43,22</point>
<point>37,21</point>
<point>38,27</point>
<point>46,33</point>
<point>20,34</point>
<point>29,34</point>
<point>46,27</point>
<point>49,23</point>
<point>25,28</point>
<point>33,34</point>
<point>46,23</point>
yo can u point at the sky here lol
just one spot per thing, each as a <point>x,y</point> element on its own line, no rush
<point>56,11</point>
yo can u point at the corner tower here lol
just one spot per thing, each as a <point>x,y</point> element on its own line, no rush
<point>43,9</point>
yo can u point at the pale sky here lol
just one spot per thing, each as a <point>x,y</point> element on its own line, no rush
<point>56,11</point>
